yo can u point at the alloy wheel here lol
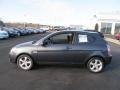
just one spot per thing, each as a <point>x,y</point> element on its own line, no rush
<point>25,62</point>
<point>95,65</point>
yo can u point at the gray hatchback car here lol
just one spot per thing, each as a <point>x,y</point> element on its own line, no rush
<point>64,47</point>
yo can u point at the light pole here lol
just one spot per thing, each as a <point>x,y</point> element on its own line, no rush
<point>24,22</point>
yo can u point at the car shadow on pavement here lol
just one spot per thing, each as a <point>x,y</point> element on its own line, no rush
<point>57,66</point>
<point>113,66</point>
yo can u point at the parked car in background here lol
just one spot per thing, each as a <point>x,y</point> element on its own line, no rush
<point>117,36</point>
<point>19,31</point>
<point>68,47</point>
<point>45,28</point>
<point>42,31</point>
<point>35,31</point>
<point>11,32</point>
<point>16,32</point>
<point>3,35</point>
<point>57,28</point>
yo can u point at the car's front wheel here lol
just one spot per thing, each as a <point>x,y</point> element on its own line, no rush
<point>25,62</point>
<point>95,65</point>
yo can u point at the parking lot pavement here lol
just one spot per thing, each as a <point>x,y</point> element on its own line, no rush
<point>113,40</point>
<point>56,77</point>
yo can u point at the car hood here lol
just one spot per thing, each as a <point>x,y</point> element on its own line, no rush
<point>25,44</point>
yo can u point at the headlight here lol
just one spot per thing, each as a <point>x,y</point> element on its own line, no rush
<point>12,51</point>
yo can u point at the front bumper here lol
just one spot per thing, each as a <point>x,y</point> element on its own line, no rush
<point>3,37</point>
<point>12,56</point>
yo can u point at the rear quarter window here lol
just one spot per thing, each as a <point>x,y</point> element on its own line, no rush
<point>85,38</point>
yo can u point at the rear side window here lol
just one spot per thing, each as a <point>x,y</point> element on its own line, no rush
<point>84,38</point>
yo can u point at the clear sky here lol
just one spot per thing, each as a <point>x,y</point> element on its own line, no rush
<point>54,12</point>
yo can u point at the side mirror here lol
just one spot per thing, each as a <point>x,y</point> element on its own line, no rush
<point>45,42</point>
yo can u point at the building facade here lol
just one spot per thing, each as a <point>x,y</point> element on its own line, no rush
<point>108,23</point>
<point>108,26</point>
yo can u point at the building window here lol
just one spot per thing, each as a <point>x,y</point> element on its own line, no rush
<point>117,28</point>
<point>106,28</point>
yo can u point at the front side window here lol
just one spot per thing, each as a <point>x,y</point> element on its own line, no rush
<point>62,38</point>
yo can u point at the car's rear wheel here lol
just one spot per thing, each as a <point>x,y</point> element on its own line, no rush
<point>95,65</point>
<point>25,62</point>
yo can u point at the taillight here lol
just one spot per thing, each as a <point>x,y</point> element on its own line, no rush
<point>109,50</point>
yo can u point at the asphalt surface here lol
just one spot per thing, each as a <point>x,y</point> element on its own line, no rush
<point>56,77</point>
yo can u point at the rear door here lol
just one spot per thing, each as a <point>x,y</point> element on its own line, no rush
<point>82,48</point>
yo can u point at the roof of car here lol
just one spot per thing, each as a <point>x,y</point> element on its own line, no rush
<point>78,30</point>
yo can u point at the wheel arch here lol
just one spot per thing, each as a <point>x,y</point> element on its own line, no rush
<point>24,54</point>
<point>95,56</point>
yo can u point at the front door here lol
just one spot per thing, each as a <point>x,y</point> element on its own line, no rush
<point>56,50</point>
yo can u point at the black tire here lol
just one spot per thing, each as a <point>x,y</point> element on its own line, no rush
<point>91,65</point>
<point>27,63</point>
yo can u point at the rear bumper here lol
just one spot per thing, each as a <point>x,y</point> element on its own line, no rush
<point>108,60</point>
